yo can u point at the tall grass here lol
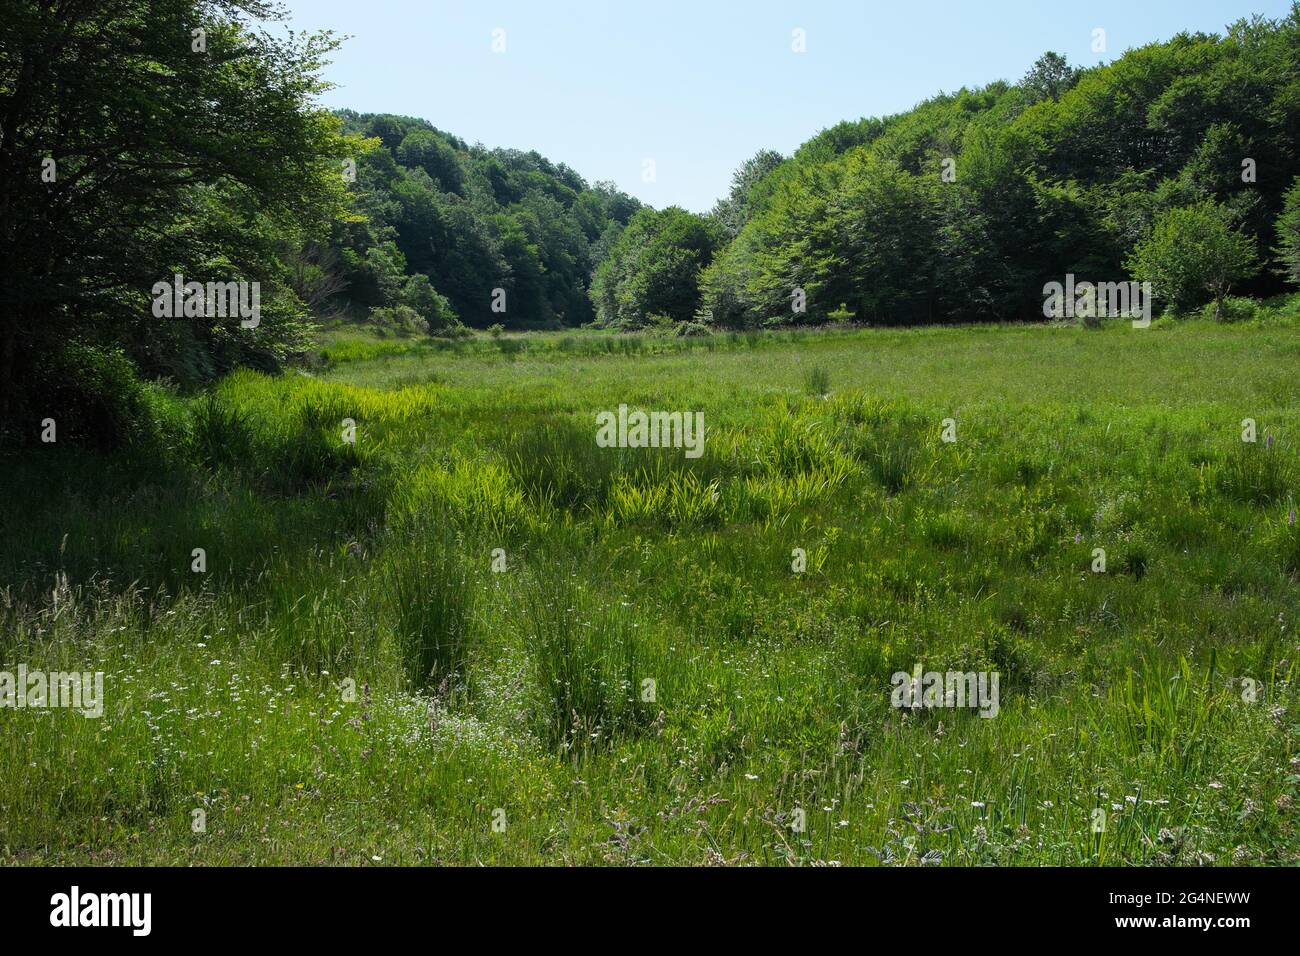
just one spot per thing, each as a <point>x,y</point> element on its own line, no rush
<point>589,666</point>
<point>431,595</point>
<point>644,658</point>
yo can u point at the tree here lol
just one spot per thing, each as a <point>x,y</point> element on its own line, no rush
<point>475,220</point>
<point>653,268</point>
<point>1288,235</point>
<point>422,148</point>
<point>136,142</point>
<point>965,206</point>
<point>737,208</point>
<point>1194,253</point>
<point>1050,76</point>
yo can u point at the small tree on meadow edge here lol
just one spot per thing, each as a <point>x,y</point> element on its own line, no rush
<point>1194,253</point>
<point>1288,235</point>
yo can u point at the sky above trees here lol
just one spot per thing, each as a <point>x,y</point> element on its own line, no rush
<point>698,87</point>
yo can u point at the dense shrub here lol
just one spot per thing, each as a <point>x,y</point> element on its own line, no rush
<point>96,399</point>
<point>434,309</point>
<point>401,319</point>
<point>1193,255</point>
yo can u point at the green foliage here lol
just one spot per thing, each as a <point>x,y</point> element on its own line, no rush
<point>95,398</point>
<point>1194,254</point>
<point>1049,78</point>
<point>964,207</point>
<point>648,639</point>
<point>424,149</point>
<point>653,268</point>
<point>1288,234</point>
<point>402,319</point>
<point>432,307</point>
<point>736,209</point>
<point>1234,309</point>
<point>693,329</point>
<point>131,202</point>
<point>471,221</point>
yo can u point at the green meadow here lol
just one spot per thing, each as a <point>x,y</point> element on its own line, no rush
<point>475,636</point>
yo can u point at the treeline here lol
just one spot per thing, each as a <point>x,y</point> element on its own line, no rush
<point>1177,164</point>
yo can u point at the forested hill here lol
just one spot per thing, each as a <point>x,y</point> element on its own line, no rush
<point>963,207</point>
<point>1173,164</point>
<point>472,220</point>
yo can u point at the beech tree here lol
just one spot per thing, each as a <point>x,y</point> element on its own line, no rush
<point>144,138</point>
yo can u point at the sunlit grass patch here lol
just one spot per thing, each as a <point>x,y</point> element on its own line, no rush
<point>458,614</point>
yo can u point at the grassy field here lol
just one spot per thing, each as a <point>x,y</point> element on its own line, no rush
<point>355,679</point>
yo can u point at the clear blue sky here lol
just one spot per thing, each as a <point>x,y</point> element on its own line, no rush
<point>700,85</point>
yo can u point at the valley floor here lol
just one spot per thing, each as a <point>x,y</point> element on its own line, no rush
<point>476,636</point>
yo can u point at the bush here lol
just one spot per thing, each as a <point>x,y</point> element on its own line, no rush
<point>401,319</point>
<point>97,400</point>
<point>656,324</point>
<point>433,308</point>
<point>1233,309</point>
<point>1193,255</point>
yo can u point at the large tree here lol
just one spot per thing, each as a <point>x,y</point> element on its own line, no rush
<point>738,207</point>
<point>142,138</point>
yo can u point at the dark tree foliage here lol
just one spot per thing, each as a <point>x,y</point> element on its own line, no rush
<point>133,148</point>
